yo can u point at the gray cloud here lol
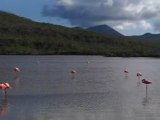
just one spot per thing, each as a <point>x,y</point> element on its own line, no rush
<point>91,12</point>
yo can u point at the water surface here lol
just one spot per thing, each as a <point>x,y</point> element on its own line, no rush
<point>46,90</point>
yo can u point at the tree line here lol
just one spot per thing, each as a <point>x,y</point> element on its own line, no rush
<point>21,36</point>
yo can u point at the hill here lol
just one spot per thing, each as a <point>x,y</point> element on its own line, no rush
<point>105,29</point>
<point>19,35</point>
<point>148,37</point>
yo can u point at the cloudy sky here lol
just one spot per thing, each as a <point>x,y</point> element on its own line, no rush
<point>130,17</point>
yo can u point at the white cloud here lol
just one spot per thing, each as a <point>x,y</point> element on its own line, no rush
<point>125,25</point>
<point>145,25</point>
<point>134,25</point>
<point>134,8</point>
<point>65,2</point>
<point>126,14</point>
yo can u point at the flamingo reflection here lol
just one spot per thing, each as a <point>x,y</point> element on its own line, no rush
<point>17,80</point>
<point>4,106</point>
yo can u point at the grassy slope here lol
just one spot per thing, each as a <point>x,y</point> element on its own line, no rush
<point>23,36</point>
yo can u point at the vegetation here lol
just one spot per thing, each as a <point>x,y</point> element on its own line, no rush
<point>19,35</point>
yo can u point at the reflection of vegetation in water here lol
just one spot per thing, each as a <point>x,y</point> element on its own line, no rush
<point>22,36</point>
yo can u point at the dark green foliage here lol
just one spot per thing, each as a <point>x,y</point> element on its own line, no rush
<point>23,36</point>
<point>105,29</point>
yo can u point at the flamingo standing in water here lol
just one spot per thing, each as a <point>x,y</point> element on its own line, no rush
<point>17,69</point>
<point>139,74</point>
<point>126,72</point>
<point>146,82</point>
<point>73,71</point>
<point>5,86</point>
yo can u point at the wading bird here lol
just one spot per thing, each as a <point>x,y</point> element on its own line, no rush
<point>17,69</point>
<point>126,71</point>
<point>73,71</point>
<point>146,82</point>
<point>5,86</point>
<point>139,74</point>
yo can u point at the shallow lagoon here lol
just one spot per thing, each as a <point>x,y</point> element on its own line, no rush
<point>46,90</point>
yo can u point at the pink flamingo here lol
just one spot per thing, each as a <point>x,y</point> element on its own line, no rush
<point>139,74</point>
<point>5,86</point>
<point>146,82</point>
<point>17,69</point>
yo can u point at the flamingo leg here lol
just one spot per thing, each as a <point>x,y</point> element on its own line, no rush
<point>5,93</point>
<point>146,91</point>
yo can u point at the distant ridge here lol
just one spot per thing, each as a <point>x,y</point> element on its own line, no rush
<point>147,37</point>
<point>150,35</point>
<point>104,29</point>
<point>22,36</point>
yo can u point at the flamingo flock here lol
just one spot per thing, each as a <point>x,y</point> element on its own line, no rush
<point>139,74</point>
<point>5,85</point>
<point>144,81</point>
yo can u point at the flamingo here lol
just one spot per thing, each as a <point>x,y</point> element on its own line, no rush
<point>126,71</point>
<point>139,74</point>
<point>17,69</point>
<point>5,86</point>
<point>146,82</point>
<point>73,71</point>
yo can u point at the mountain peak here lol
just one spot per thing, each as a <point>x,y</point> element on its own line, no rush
<point>147,34</point>
<point>105,29</point>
